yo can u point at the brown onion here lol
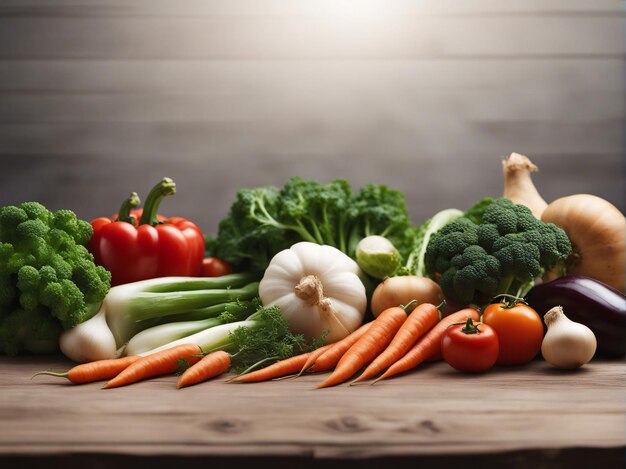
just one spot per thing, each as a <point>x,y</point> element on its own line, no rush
<point>597,230</point>
<point>396,291</point>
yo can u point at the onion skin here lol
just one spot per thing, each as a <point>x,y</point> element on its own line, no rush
<point>598,306</point>
<point>567,344</point>
<point>401,290</point>
<point>518,184</point>
<point>597,230</point>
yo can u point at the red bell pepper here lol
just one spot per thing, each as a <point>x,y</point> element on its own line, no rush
<point>138,245</point>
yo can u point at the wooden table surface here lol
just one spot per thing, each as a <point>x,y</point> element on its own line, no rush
<point>435,411</point>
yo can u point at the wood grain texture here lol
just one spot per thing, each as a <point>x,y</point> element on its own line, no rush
<point>433,411</point>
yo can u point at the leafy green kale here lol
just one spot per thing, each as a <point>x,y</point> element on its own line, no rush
<point>496,248</point>
<point>266,220</point>
<point>48,279</point>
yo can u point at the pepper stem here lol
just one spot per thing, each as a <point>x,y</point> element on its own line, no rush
<point>124,212</point>
<point>150,209</point>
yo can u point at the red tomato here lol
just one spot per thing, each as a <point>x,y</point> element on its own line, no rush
<point>214,267</point>
<point>470,347</point>
<point>519,329</point>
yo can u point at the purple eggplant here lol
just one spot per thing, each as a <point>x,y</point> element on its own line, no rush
<point>596,305</point>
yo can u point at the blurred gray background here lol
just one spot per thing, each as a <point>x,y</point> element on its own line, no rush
<point>101,97</point>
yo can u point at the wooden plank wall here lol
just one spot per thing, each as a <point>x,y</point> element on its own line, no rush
<point>101,97</point>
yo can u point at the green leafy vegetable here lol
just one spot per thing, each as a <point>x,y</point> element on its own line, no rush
<point>498,247</point>
<point>415,262</point>
<point>266,220</point>
<point>262,338</point>
<point>48,279</point>
<point>269,340</point>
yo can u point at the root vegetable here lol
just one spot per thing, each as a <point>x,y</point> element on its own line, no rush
<point>94,371</point>
<point>597,230</point>
<point>368,347</point>
<point>419,322</point>
<point>396,291</point>
<point>318,289</point>
<point>429,345</point>
<point>567,344</point>
<point>518,185</point>
<point>212,365</point>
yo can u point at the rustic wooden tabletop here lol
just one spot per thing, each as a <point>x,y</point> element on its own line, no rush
<point>429,413</point>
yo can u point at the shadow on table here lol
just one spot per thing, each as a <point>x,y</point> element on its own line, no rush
<point>545,459</point>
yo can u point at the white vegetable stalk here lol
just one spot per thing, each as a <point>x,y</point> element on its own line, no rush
<point>159,335</point>
<point>89,341</point>
<point>567,344</point>
<point>318,290</point>
<point>208,340</point>
<point>128,309</point>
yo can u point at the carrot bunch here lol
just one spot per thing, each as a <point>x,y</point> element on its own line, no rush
<point>391,344</point>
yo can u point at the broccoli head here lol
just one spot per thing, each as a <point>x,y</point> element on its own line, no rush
<point>264,221</point>
<point>48,279</point>
<point>497,248</point>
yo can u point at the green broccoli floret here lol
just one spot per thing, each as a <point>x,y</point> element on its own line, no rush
<point>497,248</point>
<point>34,331</point>
<point>266,220</point>
<point>48,279</point>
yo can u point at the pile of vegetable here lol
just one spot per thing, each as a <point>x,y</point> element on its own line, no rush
<point>293,273</point>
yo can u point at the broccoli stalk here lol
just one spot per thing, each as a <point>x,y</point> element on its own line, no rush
<point>497,248</point>
<point>48,279</point>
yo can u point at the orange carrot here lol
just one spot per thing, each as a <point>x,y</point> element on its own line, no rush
<point>94,371</point>
<point>329,359</point>
<point>420,321</point>
<point>210,366</point>
<point>429,345</point>
<point>281,368</point>
<point>156,364</point>
<point>374,341</point>
<point>312,358</point>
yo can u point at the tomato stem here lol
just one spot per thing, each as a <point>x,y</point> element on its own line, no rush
<point>470,327</point>
<point>510,300</point>
<point>124,212</point>
<point>150,209</point>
